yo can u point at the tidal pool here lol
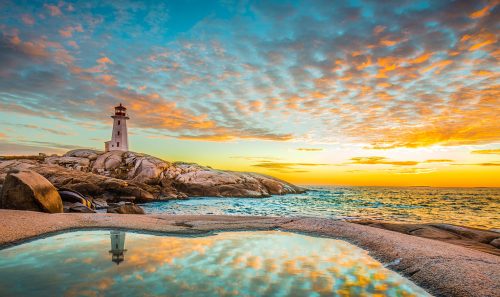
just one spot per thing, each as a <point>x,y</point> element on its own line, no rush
<point>261,263</point>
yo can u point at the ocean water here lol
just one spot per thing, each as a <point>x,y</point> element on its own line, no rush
<point>474,207</point>
<point>264,263</point>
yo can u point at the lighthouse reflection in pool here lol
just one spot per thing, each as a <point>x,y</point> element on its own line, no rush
<point>117,246</point>
<point>263,263</point>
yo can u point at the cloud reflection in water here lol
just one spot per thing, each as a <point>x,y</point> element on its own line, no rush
<point>269,263</point>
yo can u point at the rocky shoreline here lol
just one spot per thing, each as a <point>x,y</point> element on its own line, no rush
<point>442,268</point>
<point>115,178</point>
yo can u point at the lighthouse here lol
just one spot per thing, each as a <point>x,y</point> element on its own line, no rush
<point>119,137</point>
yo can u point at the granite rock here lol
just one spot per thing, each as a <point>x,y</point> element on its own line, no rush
<point>28,190</point>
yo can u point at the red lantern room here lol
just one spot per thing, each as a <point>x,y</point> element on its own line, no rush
<point>120,110</point>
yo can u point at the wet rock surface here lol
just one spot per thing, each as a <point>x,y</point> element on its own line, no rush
<point>477,239</point>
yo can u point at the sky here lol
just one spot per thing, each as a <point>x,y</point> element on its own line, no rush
<point>387,93</point>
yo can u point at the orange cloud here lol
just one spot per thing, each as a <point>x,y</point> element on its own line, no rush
<point>375,160</point>
<point>73,43</point>
<point>481,44</point>
<point>287,166</point>
<point>447,134</point>
<point>478,40</point>
<point>388,42</point>
<point>108,80</point>
<point>488,164</point>
<point>53,9</point>
<point>104,60</point>
<point>43,48</point>
<point>438,66</point>
<point>487,152</point>
<point>420,59</point>
<point>207,137</point>
<point>232,135</point>
<point>255,105</point>
<point>482,72</point>
<point>438,161</point>
<point>67,32</point>
<point>484,11</point>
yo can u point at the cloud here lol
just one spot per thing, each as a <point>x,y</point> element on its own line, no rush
<point>73,44</point>
<point>254,158</point>
<point>304,149</point>
<point>104,60</point>
<point>402,77</point>
<point>438,161</point>
<point>51,145</point>
<point>53,9</point>
<point>480,164</point>
<point>30,148</point>
<point>61,132</point>
<point>67,32</point>
<point>484,11</point>
<point>287,167</point>
<point>374,160</point>
<point>230,136</point>
<point>487,152</point>
<point>28,19</point>
<point>414,170</point>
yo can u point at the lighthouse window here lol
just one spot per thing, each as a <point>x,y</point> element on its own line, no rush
<point>117,144</point>
<point>118,133</point>
<point>118,122</point>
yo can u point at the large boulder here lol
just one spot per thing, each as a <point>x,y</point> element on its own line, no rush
<point>146,169</point>
<point>28,190</point>
<point>108,161</point>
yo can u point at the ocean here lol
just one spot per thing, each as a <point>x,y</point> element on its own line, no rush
<point>473,207</point>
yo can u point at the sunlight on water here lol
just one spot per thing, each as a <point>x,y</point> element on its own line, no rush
<point>475,207</point>
<point>271,263</point>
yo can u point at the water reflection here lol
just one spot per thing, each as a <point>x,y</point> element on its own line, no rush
<point>117,246</point>
<point>260,263</point>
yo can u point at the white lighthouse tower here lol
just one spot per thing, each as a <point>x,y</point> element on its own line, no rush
<point>119,138</point>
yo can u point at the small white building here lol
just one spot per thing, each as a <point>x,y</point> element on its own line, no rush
<point>119,138</point>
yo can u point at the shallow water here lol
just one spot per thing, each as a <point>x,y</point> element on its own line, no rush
<point>269,263</point>
<point>475,207</point>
